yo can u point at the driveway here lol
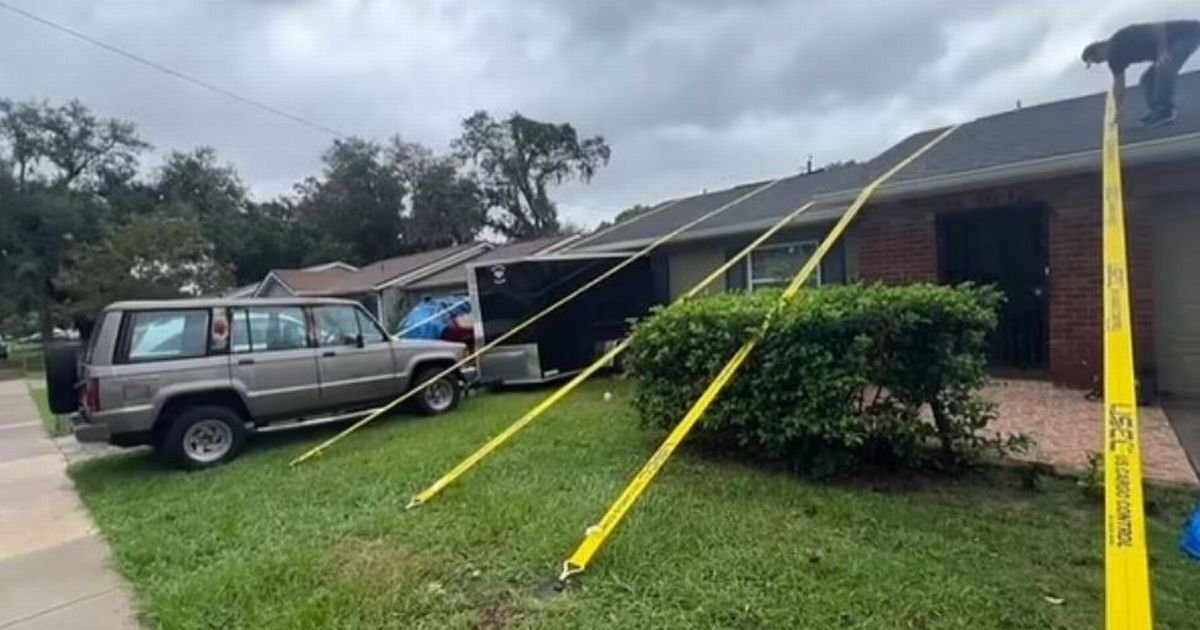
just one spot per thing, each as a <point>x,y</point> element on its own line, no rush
<point>54,567</point>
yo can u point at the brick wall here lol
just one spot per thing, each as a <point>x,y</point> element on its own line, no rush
<point>898,243</point>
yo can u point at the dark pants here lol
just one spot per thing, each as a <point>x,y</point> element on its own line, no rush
<point>1158,81</point>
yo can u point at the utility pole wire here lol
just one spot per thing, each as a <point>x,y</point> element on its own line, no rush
<point>171,71</point>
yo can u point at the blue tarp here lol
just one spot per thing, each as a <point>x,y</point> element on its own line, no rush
<point>430,318</point>
<point>1191,535</point>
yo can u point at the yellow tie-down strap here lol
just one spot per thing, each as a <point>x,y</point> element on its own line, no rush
<point>597,534</point>
<point>606,359</point>
<point>1127,579</point>
<point>587,286</point>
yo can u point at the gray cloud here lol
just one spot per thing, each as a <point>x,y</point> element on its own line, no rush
<point>691,94</point>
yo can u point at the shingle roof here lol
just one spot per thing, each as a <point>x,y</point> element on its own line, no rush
<point>306,281</point>
<point>339,281</point>
<point>457,274</point>
<point>1059,128</point>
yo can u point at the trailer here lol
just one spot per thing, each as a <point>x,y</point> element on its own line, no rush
<point>506,293</point>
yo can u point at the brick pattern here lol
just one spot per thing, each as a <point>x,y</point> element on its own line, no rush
<point>898,244</point>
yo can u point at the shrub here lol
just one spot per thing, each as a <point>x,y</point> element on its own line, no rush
<point>842,377</point>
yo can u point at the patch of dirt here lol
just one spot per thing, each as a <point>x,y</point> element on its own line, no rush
<point>497,615</point>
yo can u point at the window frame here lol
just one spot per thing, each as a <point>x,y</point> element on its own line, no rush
<point>750,280</point>
<point>316,321</point>
<point>305,319</point>
<point>125,336</point>
<point>365,314</point>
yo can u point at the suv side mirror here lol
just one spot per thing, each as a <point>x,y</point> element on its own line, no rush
<point>359,341</point>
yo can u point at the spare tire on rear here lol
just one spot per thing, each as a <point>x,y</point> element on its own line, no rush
<point>62,375</point>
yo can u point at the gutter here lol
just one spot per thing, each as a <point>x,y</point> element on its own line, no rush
<point>829,206</point>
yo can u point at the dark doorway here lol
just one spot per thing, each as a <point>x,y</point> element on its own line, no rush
<point>1004,247</point>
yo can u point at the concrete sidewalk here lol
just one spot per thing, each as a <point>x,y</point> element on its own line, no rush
<point>54,566</point>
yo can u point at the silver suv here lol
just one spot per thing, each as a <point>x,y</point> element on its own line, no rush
<point>194,377</point>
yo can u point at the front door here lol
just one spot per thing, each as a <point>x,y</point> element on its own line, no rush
<point>1004,247</point>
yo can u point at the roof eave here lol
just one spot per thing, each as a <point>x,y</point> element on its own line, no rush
<point>1146,152</point>
<point>828,206</point>
<point>433,267</point>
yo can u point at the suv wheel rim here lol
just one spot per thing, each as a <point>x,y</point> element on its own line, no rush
<point>207,441</point>
<point>439,395</point>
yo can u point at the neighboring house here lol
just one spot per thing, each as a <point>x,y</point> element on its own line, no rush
<point>1012,199</point>
<point>453,280</point>
<point>250,290</point>
<point>380,286</point>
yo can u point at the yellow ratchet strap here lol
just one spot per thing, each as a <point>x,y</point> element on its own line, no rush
<point>642,253</point>
<point>544,406</point>
<point>1126,577</point>
<point>597,534</point>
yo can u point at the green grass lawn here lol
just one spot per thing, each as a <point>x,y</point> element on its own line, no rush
<point>713,544</point>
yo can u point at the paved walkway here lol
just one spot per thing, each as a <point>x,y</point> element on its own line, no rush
<point>54,566</point>
<point>1068,428</point>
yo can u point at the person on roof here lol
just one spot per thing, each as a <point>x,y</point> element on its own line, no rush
<point>1165,45</point>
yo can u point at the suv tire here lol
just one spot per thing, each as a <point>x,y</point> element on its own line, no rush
<point>440,397</point>
<point>203,436</point>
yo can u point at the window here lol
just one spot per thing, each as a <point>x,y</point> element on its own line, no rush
<point>775,265</point>
<point>370,330</point>
<point>162,335</point>
<point>268,328</point>
<point>109,321</point>
<point>337,325</point>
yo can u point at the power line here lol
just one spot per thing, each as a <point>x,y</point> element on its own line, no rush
<point>171,71</point>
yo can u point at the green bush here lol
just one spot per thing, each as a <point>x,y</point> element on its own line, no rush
<point>841,378</point>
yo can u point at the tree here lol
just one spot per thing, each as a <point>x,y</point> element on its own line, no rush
<point>160,255</point>
<point>67,146</point>
<point>444,207</point>
<point>354,209</point>
<point>58,159</point>
<point>516,160</point>
<point>197,184</point>
<point>275,238</point>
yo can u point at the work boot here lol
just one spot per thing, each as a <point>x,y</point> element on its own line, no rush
<point>1159,118</point>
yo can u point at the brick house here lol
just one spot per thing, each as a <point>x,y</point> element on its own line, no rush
<point>1011,199</point>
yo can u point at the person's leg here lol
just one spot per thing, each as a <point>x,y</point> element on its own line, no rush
<point>1164,88</point>
<point>1149,86</point>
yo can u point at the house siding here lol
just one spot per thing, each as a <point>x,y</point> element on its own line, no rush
<point>687,267</point>
<point>273,288</point>
<point>897,243</point>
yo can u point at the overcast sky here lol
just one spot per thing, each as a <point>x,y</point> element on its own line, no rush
<point>690,94</point>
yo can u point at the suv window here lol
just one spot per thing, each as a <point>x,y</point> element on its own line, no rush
<point>109,320</point>
<point>337,325</point>
<point>163,335</point>
<point>370,330</point>
<point>267,328</point>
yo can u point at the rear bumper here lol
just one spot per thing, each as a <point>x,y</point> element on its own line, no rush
<point>86,432</point>
<point>117,429</point>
